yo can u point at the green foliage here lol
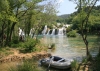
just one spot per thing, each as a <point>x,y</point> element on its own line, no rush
<point>52,46</point>
<point>97,63</point>
<point>14,42</point>
<point>74,65</point>
<point>98,55</point>
<point>63,18</point>
<point>30,45</point>
<point>5,52</point>
<point>93,20</point>
<point>84,60</point>
<point>68,29</point>
<point>27,65</point>
<point>89,57</point>
<point>72,33</point>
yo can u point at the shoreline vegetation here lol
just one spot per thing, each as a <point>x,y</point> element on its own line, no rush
<point>31,48</point>
<point>17,56</point>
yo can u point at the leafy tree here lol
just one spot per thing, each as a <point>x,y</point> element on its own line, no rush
<point>84,18</point>
<point>49,13</point>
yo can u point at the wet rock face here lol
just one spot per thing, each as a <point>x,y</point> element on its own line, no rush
<point>20,57</point>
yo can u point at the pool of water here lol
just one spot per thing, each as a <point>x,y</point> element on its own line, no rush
<point>71,47</point>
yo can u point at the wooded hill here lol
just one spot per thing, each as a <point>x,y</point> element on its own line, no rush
<point>64,16</point>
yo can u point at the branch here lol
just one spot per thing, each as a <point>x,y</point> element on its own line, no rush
<point>88,14</point>
<point>26,10</point>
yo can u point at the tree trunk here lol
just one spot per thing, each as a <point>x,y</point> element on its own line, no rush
<point>8,32</point>
<point>12,29</point>
<point>87,50</point>
<point>2,39</point>
<point>3,35</point>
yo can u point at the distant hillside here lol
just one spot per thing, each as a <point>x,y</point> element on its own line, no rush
<point>64,16</point>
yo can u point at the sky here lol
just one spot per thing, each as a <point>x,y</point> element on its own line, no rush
<point>67,7</point>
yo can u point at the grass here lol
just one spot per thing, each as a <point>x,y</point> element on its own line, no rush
<point>27,65</point>
<point>5,52</point>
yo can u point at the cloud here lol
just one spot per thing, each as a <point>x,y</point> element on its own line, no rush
<point>60,1</point>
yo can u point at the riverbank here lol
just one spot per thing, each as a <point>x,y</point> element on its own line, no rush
<point>16,55</point>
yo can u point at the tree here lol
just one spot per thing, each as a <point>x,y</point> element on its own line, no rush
<point>84,17</point>
<point>50,11</point>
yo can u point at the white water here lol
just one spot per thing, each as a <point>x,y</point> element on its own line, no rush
<point>47,32</point>
<point>60,32</point>
<point>53,32</point>
<point>44,31</point>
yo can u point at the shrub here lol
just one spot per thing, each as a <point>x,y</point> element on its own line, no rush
<point>74,65</point>
<point>52,45</point>
<point>14,42</point>
<point>30,45</point>
<point>72,33</point>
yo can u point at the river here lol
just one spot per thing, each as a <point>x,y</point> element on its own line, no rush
<point>70,47</point>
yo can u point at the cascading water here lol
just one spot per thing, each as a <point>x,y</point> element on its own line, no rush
<point>45,30</point>
<point>53,32</point>
<point>48,32</point>
<point>60,32</point>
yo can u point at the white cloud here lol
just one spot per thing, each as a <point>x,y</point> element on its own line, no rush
<point>60,1</point>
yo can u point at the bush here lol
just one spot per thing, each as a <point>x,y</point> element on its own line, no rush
<point>74,65</point>
<point>52,45</point>
<point>72,33</point>
<point>14,42</point>
<point>30,45</point>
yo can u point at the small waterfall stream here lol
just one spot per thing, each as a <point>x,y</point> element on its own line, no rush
<point>44,30</point>
<point>53,32</point>
<point>60,32</point>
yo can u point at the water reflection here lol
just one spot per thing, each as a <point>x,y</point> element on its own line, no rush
<point>63,47</point>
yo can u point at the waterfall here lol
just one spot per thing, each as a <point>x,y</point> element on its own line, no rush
<point>44,30</point>
<point>60,31</point>
<point>53,32</point>
<point>48,32</point>
<point>57,31</point>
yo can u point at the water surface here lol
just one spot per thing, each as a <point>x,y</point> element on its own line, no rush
<point>71,47</point>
